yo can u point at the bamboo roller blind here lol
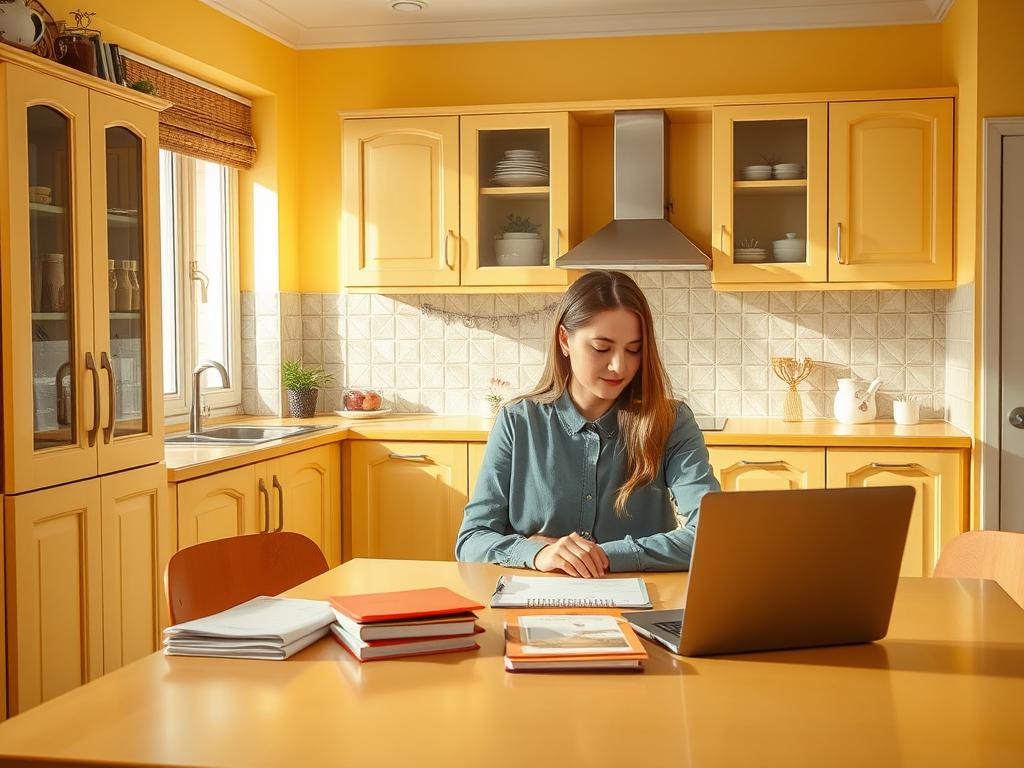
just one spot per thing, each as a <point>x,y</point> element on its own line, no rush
<point>201,123</point>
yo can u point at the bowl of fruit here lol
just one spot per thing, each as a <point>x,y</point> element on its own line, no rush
<point>362,403</point>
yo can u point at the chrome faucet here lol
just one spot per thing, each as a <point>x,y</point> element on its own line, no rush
<point>195,413</point>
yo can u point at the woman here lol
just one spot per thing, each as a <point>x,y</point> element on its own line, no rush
<point>581,474</point>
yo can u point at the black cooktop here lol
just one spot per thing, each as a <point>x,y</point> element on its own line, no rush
<point>710,423</point>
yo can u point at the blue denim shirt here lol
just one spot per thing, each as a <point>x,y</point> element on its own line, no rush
<point>546,470</point>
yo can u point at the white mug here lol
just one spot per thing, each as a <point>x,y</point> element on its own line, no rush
<point>906,413</point>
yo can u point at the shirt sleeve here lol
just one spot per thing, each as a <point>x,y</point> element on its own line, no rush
<point>688,476</point>
<point>484,536</point>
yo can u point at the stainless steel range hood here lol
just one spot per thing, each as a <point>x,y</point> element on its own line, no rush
<point>640,238</point>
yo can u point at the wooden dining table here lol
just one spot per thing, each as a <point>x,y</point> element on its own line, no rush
<point>944,688</point>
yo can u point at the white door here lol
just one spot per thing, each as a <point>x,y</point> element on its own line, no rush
<point>1002,438</point>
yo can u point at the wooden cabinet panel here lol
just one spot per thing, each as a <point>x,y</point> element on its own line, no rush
<point>405,500</point>
<point>219,506</point>
<point>136,547</point>
<point>306,489</point>
<point>891,190</point>
<point>400,201</point>
<point>768,469</point>
<point>54,596</point>
<point>939,480</point>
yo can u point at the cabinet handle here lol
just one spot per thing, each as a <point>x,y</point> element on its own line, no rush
<point>280,505</point>
<point>879,465</point>
<point>558,243</point>
<point>266,506</point>
<point>447,236</point>
<point>839,242</point>
<point>721,239</point>
<point>108,431</point>
<point>776,463</point>
<point>94,430</point>
<point>409,456</point>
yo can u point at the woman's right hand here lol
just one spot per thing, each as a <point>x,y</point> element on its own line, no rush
<point>574,555</point>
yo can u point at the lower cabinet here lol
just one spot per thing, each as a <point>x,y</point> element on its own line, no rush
<point>939,476</point>
<point>298,492</point>
<point>84,580</point>
<point>405,500</point>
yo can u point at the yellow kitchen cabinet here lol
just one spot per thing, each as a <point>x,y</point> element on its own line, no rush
<point>400,202</point>
<point>3,632</point>
<point>404,500</point>
<point>890,191</point>
<point>875,207</point>
<point>423,201</point>
<point>82,386</point>
<point>84,568</point>
<point>299,492</point>
<point>768,468</point>
<point>939,478</point>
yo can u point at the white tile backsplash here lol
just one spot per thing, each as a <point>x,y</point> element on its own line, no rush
<point>435,354</point>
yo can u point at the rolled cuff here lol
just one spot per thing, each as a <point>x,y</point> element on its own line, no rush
<point>523,553</point>
<point>623,555</point>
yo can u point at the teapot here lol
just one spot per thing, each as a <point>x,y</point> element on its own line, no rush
<point>855,401</point>
<point>20,25</point>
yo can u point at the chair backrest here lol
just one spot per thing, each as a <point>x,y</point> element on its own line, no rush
<point>997,555</point>
<point>216,575</point>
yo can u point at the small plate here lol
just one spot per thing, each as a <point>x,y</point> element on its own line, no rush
<point>363,414</point>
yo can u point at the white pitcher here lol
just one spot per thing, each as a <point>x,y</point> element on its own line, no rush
<point>20,25</point>
<point>855,401</point>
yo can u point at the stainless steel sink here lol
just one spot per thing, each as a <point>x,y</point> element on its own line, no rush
<point>239,434</point>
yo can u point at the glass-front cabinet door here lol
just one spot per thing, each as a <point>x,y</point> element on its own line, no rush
<point>770,193</point>
<point>125,246</point>
<point>50,371</point>
<point>518,214</point>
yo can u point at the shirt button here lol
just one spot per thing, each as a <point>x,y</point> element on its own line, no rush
<point>589,496</point>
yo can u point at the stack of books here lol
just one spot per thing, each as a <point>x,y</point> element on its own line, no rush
<point>386,625</point>
<point>537,642</point>
<point>262,628</point>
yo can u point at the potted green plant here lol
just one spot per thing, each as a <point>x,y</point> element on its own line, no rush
<point>519,244</point>
<point>303,386</point>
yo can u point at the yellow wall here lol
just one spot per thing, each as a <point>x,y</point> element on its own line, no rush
<point>678,66</point>
<point>194,38</point>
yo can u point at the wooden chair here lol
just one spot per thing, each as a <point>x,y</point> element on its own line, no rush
<point>997,555</point>
<point>208,578</point>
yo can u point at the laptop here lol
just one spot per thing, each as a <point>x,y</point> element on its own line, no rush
<point>788,569</point>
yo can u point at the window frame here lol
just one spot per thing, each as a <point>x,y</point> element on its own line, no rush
<point>218,400</point>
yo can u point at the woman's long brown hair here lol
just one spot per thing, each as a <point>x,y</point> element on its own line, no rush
<point>647,411</point>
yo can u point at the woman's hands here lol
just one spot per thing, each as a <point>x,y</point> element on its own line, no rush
<point>573,554</point>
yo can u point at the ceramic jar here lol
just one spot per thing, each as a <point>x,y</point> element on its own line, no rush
<point>855,401</point>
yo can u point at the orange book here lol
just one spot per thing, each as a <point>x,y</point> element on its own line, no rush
<point>405,604</point>
<point>576,641</point>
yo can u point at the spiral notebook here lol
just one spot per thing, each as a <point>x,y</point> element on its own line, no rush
<point>568,592</point>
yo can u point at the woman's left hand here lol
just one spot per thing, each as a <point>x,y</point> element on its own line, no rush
<point>573,554</point>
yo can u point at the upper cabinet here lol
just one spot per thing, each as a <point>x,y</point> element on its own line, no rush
<point>846,193</point>
<point>460,204</point>
<point>80,303</point>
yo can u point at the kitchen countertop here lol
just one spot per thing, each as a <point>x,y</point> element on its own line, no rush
<point>185,462</point>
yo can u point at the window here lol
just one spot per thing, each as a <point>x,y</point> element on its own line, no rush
<point>199,261</point>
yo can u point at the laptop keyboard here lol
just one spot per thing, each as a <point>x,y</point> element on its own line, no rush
<point>672,627</point>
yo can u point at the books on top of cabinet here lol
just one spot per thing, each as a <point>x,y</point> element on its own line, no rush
<point>410,622</point>
<point>568,592</point>
<point>566,642</point>
<point>261,628</point>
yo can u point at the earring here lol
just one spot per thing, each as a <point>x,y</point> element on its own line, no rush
<point>565,353</point>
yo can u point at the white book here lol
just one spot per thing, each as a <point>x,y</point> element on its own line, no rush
<point>262,623</point>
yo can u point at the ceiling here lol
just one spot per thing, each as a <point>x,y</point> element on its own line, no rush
<point>355,23</point>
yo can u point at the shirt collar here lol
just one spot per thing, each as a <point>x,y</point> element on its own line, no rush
<point>573,422</point>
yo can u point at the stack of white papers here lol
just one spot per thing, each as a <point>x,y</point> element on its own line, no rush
<point>263,628</point>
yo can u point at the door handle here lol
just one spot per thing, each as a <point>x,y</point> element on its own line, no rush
<point>839,242</point>
<point>1016,417</point>
<point>280,505</point>
<point>721,239</point>
<point>447,237</point>
<point>409,456</point>
<point>776,463</point>
<point>879,465</point>
<point>94,430</point>
<point>108,431</point>
<point>266,506</point>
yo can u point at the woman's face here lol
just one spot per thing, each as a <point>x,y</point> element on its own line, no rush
<point>604,357</point>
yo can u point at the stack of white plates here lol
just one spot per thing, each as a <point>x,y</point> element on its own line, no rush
<point>756,172</point>
<point>790,249</point>
<point>521,168</point>
<point>790,171</point>
<point>748,255</point>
